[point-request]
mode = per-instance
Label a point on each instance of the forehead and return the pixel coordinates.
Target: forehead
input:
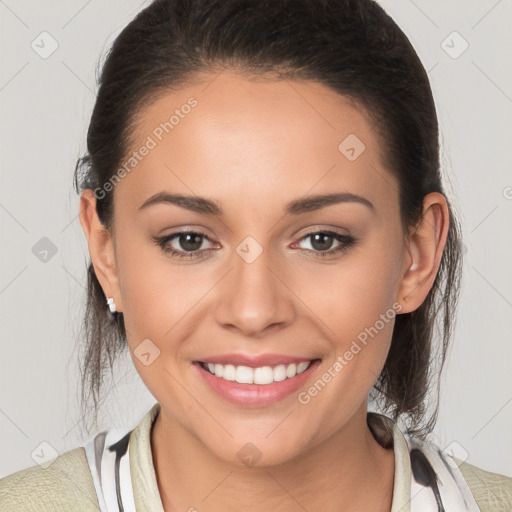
(229, 137)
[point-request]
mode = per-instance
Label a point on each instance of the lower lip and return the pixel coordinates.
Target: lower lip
(255, 394)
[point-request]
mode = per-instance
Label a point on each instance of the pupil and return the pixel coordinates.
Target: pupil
(192, 245)
(322, 245)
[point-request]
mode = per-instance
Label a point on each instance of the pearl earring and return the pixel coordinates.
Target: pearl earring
(111, 304)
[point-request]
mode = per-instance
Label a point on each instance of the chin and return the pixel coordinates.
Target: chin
(253, 450)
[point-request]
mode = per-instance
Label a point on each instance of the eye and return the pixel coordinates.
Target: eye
(189, 244)
(189, 241)
(321, 243)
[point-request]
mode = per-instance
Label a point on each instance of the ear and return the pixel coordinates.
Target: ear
(101, 247)
(425, 246)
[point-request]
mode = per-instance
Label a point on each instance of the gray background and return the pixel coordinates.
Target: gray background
(45, 108)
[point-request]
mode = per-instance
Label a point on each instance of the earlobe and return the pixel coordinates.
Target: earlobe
(425, 248)
(101, 247)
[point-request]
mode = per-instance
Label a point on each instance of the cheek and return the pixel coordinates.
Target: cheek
(356, 300)
(154, 300)
(360, 316)
(150, 288)
(352, 294)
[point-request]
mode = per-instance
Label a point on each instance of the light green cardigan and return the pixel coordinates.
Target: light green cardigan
(66, 484)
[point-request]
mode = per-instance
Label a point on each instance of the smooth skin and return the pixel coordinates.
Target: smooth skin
(252, 146)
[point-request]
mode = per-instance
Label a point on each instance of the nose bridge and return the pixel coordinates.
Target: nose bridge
(253, 298)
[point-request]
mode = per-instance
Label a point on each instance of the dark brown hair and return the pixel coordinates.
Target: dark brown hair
(351, 46)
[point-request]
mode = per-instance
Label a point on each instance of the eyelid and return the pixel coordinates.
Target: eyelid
(200, 230)
(323, 229)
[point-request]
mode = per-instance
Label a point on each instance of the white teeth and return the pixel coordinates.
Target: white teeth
(291, 371)
(280, 373)
(244, 375)
(302, 366)
(261, 375)
(218, 369)
(229, 372)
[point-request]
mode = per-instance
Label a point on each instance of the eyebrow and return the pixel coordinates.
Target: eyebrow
(296, 207)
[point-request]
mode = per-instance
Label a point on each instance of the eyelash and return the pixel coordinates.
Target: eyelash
(346, 241)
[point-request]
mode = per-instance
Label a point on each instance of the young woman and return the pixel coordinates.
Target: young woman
(270, 239)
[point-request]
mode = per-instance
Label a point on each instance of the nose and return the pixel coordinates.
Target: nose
(254, 299)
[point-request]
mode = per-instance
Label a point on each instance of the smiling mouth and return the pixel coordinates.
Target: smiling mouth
(262, 375)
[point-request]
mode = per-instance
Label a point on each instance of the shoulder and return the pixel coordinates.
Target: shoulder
(492, 491)
(65, 483)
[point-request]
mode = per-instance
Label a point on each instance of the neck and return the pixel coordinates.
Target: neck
(347, 471)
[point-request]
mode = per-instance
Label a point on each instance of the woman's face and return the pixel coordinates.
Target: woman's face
(269, 275)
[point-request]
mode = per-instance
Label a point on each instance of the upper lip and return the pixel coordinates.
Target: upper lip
(254, 360)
